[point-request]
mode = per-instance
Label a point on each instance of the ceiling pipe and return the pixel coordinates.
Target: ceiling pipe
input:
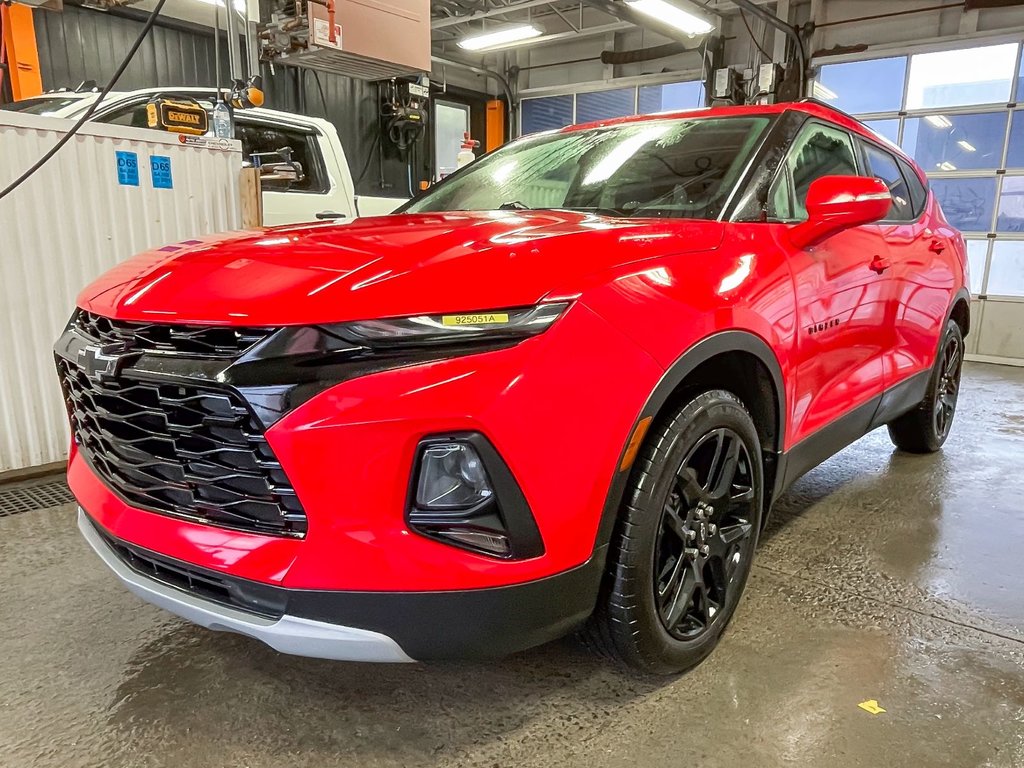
(646, 54)
(625, 13)
(783, 27)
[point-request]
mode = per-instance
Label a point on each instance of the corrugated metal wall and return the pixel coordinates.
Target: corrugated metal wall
(82, 44)
(64, 227)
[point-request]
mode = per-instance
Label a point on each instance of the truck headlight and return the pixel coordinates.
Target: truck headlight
(461, 327)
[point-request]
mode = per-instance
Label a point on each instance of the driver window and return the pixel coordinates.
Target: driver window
(819, 150)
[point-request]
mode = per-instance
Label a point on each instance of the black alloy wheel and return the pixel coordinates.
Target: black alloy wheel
(705, 534)
(948, 384)
(684, 541)
(925, 429)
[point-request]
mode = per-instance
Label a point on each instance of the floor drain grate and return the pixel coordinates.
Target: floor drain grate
(25, 498)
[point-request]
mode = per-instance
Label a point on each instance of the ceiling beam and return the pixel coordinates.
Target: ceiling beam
(453, 20)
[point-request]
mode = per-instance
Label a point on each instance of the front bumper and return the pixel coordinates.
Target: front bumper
(287, 634)
(366, 626)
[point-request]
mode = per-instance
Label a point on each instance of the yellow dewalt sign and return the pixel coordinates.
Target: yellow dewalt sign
(177, 117)
(486, 318)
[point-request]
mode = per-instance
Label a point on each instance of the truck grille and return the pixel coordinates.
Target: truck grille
(181, 449)
(199, 340)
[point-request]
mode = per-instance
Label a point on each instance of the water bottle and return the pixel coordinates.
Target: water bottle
(222, 121)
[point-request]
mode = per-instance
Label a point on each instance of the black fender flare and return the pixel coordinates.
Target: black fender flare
(965, 295)
(684, 365)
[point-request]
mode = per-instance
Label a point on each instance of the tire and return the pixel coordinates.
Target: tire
(925, 429)
(678, 535)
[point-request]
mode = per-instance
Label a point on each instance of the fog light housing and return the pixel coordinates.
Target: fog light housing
(463, 493)
(452, 476)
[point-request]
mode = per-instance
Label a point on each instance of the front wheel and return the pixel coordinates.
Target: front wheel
(684, 543)
(925, 429)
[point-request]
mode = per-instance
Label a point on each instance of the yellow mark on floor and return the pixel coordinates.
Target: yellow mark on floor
(871, 705)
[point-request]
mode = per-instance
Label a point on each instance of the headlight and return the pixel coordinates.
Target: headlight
(461, 327)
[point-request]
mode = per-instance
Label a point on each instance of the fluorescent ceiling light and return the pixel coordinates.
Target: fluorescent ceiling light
(239, 4)
(966, 146)
(673, 15)
(945, 165)
(939, 121)
(823, 92)
(488, 41)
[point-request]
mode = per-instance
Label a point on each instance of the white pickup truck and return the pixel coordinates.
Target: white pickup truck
(326, 189)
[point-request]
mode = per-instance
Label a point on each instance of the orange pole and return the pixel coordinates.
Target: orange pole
(495, 125)
(22, 55)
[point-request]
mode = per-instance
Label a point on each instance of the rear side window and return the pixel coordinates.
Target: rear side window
(883, 166)
(918, 193)
(272, 144)
(820, 150)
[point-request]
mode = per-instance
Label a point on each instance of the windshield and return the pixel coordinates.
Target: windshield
(41, 106)
(655, 168)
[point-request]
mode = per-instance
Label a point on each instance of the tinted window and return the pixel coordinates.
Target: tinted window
(657, 168)
(268, 142)
(883, 166)
(918, 193)
(818, 151)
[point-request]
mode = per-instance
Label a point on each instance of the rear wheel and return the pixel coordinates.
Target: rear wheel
(683, 545)
(925, 429)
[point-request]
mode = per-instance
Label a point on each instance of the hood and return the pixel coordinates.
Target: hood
(388, 266)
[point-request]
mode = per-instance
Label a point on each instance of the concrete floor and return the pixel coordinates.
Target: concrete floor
(882, 576)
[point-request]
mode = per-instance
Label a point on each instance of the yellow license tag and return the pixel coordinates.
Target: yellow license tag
(484, 318)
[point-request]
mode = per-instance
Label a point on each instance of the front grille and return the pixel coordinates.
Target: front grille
(199, 340)
(182, 449)
(250, 597)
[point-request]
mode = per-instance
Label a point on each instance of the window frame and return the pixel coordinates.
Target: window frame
(783, 167)
(916, 213)
(312, 136)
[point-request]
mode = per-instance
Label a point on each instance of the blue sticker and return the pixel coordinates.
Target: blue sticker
(161, 169)
(127, 168)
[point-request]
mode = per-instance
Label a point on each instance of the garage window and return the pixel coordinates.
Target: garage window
(960, 114)
(546, 113)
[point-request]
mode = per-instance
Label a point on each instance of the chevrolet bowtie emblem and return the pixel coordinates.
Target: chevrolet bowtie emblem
(105, 362)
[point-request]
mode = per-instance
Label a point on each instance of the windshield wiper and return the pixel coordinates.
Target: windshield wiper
(514, 205)
(598, 211)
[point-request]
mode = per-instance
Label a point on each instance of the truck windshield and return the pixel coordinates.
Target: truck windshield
(41, 106)
(682, 168)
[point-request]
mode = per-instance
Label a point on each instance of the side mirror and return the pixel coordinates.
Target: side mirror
(835, 203)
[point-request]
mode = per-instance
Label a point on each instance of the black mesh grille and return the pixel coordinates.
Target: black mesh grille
(253, 598)
(198, 340)
(181, 449)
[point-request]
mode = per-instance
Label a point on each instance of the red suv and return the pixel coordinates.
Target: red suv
(559, 390)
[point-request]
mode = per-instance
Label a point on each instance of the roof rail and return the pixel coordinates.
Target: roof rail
(830, 107)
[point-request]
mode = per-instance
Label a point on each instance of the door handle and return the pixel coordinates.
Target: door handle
(879, 265)
(330, 215)
(937, 246)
